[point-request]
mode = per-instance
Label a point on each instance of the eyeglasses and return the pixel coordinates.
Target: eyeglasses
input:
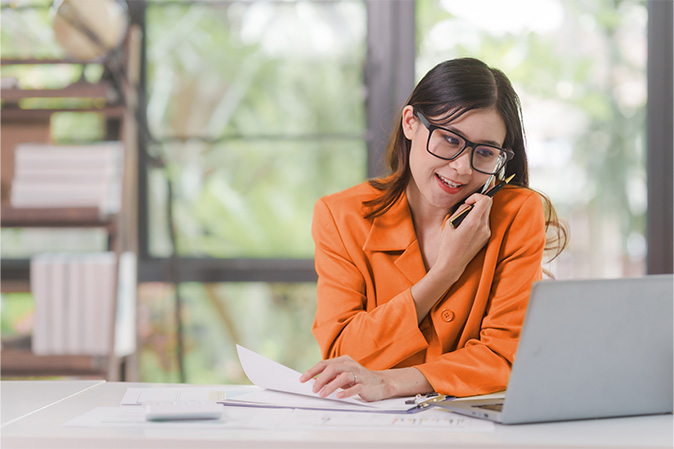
(448, 145)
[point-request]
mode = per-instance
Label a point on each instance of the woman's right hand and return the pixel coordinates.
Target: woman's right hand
(458, 246)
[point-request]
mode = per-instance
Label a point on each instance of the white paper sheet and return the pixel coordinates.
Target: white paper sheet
(137, 396)
(282, 387)
(271, 398)
(430, 419)
(266, 373)
(289, 419)
(234, 418)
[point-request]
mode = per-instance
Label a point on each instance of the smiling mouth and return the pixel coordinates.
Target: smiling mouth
(447, 182)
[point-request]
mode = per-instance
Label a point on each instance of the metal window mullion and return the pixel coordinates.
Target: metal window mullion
(389, 71)
(194, 269)
(659, 138)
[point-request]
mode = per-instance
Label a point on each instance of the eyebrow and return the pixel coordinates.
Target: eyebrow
(492, 143)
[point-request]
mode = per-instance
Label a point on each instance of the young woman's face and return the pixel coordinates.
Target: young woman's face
(438, 183)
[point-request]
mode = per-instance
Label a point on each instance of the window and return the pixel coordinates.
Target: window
(256, 109)
(585, 62)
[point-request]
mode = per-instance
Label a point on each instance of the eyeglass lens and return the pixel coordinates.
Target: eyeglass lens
(447, 145)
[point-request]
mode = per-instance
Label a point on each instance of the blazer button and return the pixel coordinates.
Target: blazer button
(447, 315)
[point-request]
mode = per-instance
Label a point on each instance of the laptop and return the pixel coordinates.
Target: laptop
(588, 349)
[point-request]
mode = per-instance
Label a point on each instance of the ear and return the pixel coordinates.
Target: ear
(409, 122)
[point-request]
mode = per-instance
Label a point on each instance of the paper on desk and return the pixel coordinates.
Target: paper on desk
(124, 416)
(435, 419)
(278, 380)
(266, 373)
(287, 419)
(271, 398)
(137, 396)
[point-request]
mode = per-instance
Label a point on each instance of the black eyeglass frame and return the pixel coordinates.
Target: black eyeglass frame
(431, 127)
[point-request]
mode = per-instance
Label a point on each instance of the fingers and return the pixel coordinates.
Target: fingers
(321, 366)
(353, 390)
(313, 371)
(328, 374)
(476, 198)
(332, 375)
(475, 209)
(482, 209)
(342, 380)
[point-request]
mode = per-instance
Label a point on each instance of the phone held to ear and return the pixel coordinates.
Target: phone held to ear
(456, 220)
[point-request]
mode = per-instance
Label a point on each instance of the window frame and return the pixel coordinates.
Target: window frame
(389, 78)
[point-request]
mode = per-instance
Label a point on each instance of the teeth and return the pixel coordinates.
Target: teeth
(448, 183)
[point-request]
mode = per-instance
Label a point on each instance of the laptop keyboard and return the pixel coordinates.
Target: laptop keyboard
(495, 407)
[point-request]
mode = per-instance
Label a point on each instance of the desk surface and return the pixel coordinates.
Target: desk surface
(21, 398)
(43, 428)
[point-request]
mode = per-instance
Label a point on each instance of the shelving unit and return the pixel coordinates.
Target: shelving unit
(32, 125)
(15, 276)
(55, 217)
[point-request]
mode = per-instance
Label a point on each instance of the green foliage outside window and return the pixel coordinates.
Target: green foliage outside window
(264, 121)
(580, 69)
(259, 110)
(273, 319)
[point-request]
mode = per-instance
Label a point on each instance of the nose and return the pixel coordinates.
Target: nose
(462, 163)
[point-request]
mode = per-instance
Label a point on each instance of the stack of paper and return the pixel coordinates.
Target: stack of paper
(281, 387)
(75, 306)
(68, 176)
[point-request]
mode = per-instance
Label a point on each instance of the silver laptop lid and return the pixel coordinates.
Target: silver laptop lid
(594, 348)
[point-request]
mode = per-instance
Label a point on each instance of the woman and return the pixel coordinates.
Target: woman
(408, 304)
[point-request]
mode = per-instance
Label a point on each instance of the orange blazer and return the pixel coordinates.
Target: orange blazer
(366, 268)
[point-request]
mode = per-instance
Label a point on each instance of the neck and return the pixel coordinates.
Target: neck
(424, 215)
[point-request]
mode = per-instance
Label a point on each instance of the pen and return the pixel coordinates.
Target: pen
(425, 400)
(456, 221)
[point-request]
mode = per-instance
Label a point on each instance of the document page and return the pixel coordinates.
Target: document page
(285, 419)
(278, 380)
(137, 396)
(266, 373)
(430, 419)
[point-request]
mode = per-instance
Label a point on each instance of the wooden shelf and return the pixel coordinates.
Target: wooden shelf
(83, 217)
(15, 286)
(32, 114)
(25, 363)
(39, 61)
(102, 89)
(111, 104)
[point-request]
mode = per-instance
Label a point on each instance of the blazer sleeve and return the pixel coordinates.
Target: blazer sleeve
(377, 338)
(483, 364)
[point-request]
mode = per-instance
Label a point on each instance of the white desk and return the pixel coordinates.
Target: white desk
(21, 398)
(43, 429)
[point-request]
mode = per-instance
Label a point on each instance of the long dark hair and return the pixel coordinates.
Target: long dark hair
(449, 90)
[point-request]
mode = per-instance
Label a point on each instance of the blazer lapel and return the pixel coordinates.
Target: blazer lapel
(393, 232)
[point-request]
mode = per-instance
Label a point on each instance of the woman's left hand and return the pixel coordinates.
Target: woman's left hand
(353, 379)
